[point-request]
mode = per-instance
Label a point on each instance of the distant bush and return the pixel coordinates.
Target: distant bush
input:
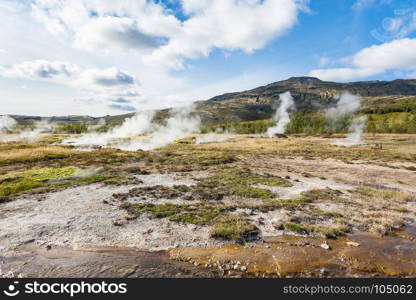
(73, 128)
(409, 107)
(258, 126)
(392, 123)
(309, 122)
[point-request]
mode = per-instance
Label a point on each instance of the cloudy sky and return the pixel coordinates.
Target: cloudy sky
(98, 57)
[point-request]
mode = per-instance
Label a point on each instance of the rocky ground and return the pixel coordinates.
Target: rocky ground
(242, 206)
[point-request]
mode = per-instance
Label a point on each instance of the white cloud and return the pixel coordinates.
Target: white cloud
(95, 51)
(40, 70)
(102, 24)
(246, 25)
(362, 4)
(109, 78)
(323, 61)
(342, 74)
(142, 25)
(69, 74)
(112, 33)
(374, 60)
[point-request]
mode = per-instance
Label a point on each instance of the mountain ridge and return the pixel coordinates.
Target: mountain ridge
(309, 93)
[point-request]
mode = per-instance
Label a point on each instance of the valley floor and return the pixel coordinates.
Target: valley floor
(210, 205)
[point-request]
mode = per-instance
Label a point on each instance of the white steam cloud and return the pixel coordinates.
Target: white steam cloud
(36, 133)
(136, 125)
(357, 127)
(6, 124)
(348, 104)
(179, 125)
(282, 115)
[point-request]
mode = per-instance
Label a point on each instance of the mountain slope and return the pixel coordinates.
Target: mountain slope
(309, 93)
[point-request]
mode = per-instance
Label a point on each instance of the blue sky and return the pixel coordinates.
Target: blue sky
(97, 57)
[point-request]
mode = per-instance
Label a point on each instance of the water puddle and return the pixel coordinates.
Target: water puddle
(34, 260)
(286, 256)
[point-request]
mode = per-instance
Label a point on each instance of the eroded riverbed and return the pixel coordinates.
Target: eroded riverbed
(363, 255)
(39, 260)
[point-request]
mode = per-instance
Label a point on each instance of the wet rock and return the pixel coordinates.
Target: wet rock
(130, 217)
(325, 246)
(278, 225)
(353, 244)
(280, 136)
(118, 222)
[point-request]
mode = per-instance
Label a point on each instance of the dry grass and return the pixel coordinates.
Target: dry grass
(238, 164)
(402, 148)
(30, 154)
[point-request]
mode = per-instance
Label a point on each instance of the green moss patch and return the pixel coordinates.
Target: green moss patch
(324, 231)
(17, 182)
(233, 227)
(156, 192)
(237, 181)
(188, 214)
(181, 160)
(45, 180)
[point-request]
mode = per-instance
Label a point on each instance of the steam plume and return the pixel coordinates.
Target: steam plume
(136, 125)
(179, 125)
(282, 115)
(348, 104)
(6, 124)
(357, 128)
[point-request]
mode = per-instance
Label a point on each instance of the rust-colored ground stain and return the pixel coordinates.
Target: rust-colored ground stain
(288, 256)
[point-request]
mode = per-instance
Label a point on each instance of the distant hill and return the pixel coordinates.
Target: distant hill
(309, 93)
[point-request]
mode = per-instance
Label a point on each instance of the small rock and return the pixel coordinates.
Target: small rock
(325, 246)
(353, 244)
(243, 268)
(278, 225)
(118, 222)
